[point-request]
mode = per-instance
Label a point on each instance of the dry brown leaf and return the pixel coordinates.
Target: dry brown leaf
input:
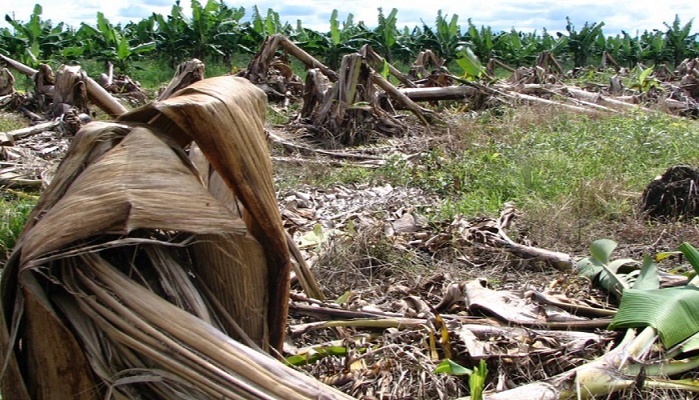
(130, 271)
(235, 145)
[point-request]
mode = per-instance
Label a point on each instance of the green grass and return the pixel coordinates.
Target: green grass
(556, 158)
(153, 72)
(11, 122)
(14, 213)
(591, 167)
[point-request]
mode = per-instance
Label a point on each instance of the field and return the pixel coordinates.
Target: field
(572, 177)
(503, 243)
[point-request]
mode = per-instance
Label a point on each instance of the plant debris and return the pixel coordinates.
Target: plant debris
(673, 195)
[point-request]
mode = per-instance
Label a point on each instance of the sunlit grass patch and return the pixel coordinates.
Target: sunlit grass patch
(538, 158)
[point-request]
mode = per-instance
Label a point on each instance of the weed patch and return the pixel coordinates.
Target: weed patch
(14, 214)
(536, 157)
(11, 122)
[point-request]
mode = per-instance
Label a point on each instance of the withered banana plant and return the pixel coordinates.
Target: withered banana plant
(155, 265)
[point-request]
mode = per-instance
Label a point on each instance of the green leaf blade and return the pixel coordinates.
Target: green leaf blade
(448, 366)
(648, 279)
(673, 312)
(602, 249)
(476, 381)
(692, 255)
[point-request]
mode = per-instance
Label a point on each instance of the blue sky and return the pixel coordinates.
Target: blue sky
(631, 16)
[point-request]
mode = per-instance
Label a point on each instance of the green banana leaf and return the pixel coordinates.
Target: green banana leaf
(673, 312)
(470, 63)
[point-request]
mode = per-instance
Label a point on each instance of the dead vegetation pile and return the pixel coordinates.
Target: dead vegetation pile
(403, 293)
(673, 195)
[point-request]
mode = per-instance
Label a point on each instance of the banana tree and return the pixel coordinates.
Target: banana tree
(30, 34)
(411, 42)
(554, 44)
(517, 48)
(342, 39)
(653, 47)
(630, 51)
(680, 41)
(142, 31)
(170, 36)
(36, 40)
(582, 44)
(107, 43)
(213, 29)
(263, 26)
(17, 48)
(480, 41)
(312, 41)
(5, 37)
(446, 38)
(385, 36)
(233, 37)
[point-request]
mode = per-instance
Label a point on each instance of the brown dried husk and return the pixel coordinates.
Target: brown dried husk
(132, 280)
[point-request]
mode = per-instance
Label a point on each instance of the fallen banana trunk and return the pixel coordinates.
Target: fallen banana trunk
(9, 138)
(134, 280)
(257, 70)
(96, 93)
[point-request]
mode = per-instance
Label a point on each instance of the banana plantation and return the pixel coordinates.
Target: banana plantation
(378, 212)
(216, 32)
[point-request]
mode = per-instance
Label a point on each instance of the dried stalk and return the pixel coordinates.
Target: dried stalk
(10, 137)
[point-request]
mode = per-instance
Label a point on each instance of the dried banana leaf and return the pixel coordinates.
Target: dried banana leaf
(225, 117)
(132, 280)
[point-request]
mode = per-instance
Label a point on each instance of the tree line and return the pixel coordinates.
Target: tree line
(215, 32)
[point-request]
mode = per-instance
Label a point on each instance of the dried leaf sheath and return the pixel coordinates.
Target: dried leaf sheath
(242, 291)
(127, 190)
(109, 284)
(225, 117)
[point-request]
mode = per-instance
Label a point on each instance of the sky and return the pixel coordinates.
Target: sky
(501, 15)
